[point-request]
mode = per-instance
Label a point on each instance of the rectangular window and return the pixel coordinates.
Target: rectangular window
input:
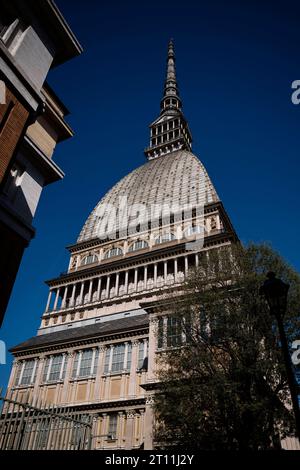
(27, 377)
(86, 362)
(55, 368)
(112, 426)
(129, 352)
(106, 361)
(118, 358)
(142, 353)
(174, 332)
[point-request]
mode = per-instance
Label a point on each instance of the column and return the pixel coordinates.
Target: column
(62, 366)
(104, 429)
(99, 288)
(135, 279)
(148, 423)
(197, 260)
(120, 428)
(63, 305)
(73, 296)
(38, 379)
(49, 300)
(175, 269)
(145, 276)
(49, 368)
(165, 271)
(11, 382)
(126, 282)
(107, 286)
(56, 299)
(155, 275)
(153, 323)
(186, 265)
(90, 291)
(99, 372)
(117, 284)
(21, 373)
(129, 429)
(64, 395)
(81, 294)
(133, 367)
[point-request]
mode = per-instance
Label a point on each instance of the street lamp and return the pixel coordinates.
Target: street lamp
(276, 292)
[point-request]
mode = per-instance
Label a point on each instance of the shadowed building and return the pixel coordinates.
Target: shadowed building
(96, 347)
(34, 38)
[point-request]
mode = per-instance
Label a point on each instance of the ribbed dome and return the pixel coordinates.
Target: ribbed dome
(176, 179)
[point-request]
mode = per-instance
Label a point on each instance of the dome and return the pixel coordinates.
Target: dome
(177, 179)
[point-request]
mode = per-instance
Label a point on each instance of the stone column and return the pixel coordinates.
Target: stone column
(155, 275)
(99, 288)
(81, 294)
(129, 429)
(165, 272)
(120, 427)
(133, 367)
(104, 429)
(175, 269)
(66, 385)
(135, 279)
(90, 291)
(148, 423)
(56, 299)
(49, 300)
(152, 347)
(63, 305)
(99, 372)
(126, 282)
(197, 260)
(38, 379)
(107, 286)
(73, 296)
(117, 284)
(145, 276)
(11, 382)
(186, 265)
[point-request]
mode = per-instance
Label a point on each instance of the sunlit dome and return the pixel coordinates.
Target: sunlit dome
(177, 179)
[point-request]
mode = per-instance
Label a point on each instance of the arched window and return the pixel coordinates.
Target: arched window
(194, 230)
(138, 245)
(113, 252)
(89, 259)
(166, 237)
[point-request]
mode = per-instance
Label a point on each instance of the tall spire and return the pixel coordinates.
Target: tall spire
(171, 88)
(170, 131)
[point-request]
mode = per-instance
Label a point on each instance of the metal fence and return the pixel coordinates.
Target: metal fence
(33, 425)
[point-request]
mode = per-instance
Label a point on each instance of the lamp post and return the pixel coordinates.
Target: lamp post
(275, 292)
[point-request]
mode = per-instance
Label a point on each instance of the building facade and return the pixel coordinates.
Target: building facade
(96, 348)
(34, 38)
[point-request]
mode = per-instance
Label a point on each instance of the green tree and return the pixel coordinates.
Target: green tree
(225, 387)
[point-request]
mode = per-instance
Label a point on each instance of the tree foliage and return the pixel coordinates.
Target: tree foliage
(226, 386)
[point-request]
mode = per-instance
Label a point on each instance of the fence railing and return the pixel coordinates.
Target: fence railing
(32, 425)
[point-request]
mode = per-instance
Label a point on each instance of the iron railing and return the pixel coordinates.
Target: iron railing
(32, 425)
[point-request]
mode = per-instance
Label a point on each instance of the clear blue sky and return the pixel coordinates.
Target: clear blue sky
(235, 64)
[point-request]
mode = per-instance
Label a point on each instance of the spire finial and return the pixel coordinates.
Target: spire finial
(171, 88)
(170, 131)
